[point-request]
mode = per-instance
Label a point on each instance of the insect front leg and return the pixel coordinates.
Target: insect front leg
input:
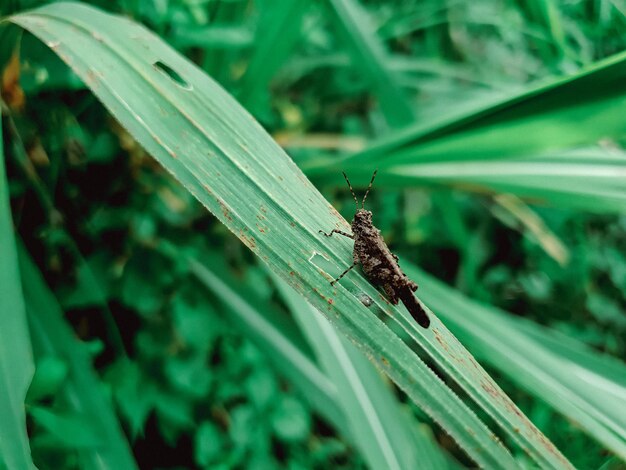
(337, 231)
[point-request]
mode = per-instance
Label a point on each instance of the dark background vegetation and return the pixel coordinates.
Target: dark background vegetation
(197, 392)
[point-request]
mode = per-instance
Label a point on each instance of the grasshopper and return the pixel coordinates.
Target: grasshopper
(379, 264)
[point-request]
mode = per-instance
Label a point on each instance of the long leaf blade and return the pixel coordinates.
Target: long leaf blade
(370, 56)
(582, 386)
(84, 392)
(226, 160)
(16, 361)
(367, 424)
(541, 144)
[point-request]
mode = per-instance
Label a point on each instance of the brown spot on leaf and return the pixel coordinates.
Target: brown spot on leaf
(225, 210)
(490, 389)
(335, 212)
(247, 240)
(440, 340)
(93, 79)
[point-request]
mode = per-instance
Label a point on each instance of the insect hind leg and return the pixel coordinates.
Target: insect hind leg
(344, 273)
(391, 293)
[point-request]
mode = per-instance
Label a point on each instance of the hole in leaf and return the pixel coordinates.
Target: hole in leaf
(172, 74)
(323, 263)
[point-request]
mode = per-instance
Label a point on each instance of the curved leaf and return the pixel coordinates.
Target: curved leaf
(586, 387)
(541, 144)
(382, 445)
(16, 358)
(84, 390)
(228, 162)
(339, 407)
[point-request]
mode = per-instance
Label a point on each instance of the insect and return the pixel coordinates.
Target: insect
(379, 264)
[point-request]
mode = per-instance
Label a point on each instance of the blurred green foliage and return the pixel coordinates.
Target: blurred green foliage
(91, 207)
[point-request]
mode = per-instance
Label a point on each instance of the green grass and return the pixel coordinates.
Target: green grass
(16, 357)
(266, 366)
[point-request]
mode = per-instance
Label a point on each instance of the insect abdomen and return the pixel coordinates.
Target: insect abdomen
(413, 306)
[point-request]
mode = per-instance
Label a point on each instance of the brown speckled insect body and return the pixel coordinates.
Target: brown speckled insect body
(379, 264)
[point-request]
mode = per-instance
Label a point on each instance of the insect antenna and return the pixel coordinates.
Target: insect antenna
(368, 188)
(356, 202)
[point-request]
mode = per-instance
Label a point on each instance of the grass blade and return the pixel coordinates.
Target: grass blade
(540, 144)
(84, 392)
(269, 332)
(537, 120)
(16, 358)
(278, 32)
(378, 440)
(230, 164)
(368, 53)
(583, 386)
(289, 359)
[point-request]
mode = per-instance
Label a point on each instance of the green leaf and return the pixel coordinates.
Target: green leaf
(91, 284)
(50, 373)
(279, 29)
(242, 425)
(269, 332)
(134, 394)
(586, 387)
(370, 57)
(379, 428)
(228, 162)
(192, 322)
(143, 282)
(261, 387)
(16, 357)
(208, 444)
(72, 430)
(189, 374)
(541, 144)
(175, 415)
(83, 391)
(290, 420)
